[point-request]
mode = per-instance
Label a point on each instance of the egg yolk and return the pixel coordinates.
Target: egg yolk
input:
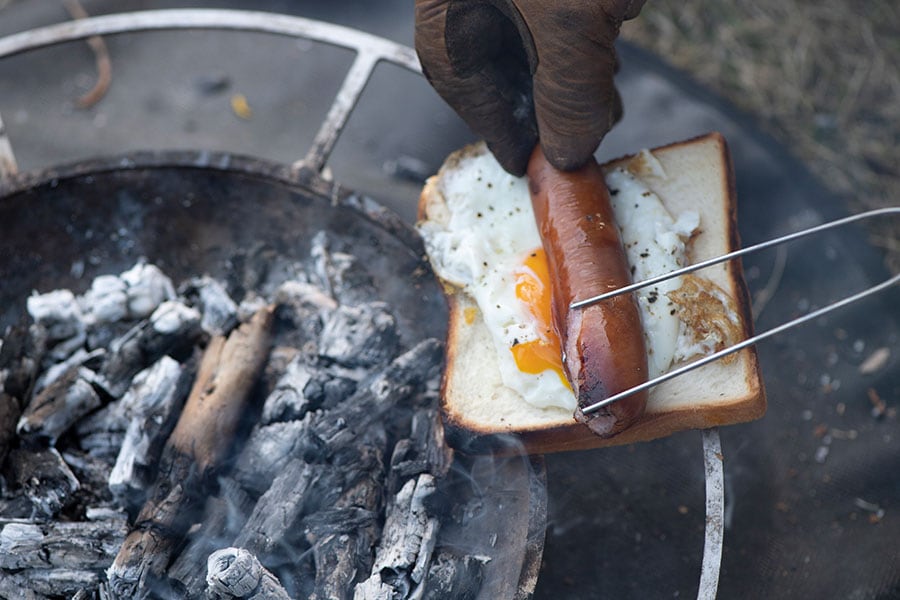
(533, 289)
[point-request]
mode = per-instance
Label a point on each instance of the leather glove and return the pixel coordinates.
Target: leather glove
(523, 71)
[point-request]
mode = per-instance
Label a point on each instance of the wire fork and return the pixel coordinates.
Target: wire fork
(892, 210)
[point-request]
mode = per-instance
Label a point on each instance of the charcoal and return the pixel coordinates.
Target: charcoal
(19, 362)
(154, 401)
(362, 466)
(339, 273)
(304, 307)
(453, 576)
(33, 584)
(224, 515)
(237, 573)
(424, 451)
(103, 432)
(10, 411)
(61, 545)
(389, 388)
(341, 548)
(270, 448)
(113, 303)
(261, 270)
(59, 406)
(107, 300)
(408, 538)
(92, 473)
(101, 335)
(58, 316)
(280, 356)
(360, 336)
(18, 368)
(16, 507)
(303, 388)
(321, 495)
(172, 327)
(218, 309)
(133, 294)
(289, 400)
(45, 478)
(277, 511)
(80, 358)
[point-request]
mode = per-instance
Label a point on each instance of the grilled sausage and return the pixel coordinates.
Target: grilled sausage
(602, 344)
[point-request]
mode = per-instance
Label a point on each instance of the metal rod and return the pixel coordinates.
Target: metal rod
(8, 165)
(732, 255)
(715, 515)
(339, 113)
(743, 344)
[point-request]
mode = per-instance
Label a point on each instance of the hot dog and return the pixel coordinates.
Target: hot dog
(603, 345)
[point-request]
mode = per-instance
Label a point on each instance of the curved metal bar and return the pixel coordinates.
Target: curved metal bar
(262, 22)
(8, 165)
(715, 515)
(370, 49)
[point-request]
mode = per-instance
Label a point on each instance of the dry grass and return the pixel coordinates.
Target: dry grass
(822, 76)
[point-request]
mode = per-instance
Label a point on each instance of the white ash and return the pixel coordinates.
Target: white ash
(107, 300)
(146, 287)
(220, 312)
(150, 403)
(58, 313)
(171, 315)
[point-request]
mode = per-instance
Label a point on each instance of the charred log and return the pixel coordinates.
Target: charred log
(194, 450)
(61, 545)
(154, 400)
(45, 478)
(57, 407)
(237, 573)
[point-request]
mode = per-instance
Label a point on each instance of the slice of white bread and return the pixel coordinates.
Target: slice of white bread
(482, 415)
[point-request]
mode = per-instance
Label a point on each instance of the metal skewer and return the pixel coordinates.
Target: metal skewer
(758, 337)
(732, 255)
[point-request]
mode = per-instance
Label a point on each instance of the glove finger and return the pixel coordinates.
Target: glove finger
(475, 72)
(576, 102)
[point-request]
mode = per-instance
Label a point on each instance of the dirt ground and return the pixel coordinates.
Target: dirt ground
(821, 76)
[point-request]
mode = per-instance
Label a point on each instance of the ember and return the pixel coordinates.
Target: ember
(168, 441)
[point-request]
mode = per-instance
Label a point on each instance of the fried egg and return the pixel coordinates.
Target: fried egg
(485, 240)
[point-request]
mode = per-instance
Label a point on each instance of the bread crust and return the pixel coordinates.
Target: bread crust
(480, 417)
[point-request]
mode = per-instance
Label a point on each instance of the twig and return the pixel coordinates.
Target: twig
(101, 57)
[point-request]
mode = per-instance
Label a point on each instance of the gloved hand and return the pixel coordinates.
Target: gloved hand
(523, 71)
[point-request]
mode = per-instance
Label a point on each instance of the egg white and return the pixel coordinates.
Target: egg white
(488, 231)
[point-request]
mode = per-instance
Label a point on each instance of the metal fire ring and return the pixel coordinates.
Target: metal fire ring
(370, 50)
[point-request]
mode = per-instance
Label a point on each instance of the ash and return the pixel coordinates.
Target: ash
(326, 487)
